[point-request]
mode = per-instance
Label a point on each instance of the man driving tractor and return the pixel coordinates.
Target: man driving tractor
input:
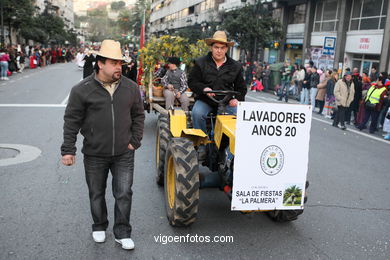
(215, 71)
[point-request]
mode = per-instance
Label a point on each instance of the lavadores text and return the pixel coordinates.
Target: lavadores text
(274, 117)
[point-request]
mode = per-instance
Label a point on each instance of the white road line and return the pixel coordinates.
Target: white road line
(65, 100)
(330, 123)
(32, 105)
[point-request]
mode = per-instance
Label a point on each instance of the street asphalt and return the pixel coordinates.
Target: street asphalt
(44, 206)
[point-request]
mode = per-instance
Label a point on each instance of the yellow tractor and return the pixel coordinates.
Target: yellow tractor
(177, 161)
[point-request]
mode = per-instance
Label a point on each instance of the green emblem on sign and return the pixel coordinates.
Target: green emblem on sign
(272, 161)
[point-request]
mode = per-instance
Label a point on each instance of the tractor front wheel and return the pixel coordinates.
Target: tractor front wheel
(162, 139)
(181, 181)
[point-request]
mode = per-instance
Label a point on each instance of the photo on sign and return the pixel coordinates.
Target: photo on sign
(292, 195)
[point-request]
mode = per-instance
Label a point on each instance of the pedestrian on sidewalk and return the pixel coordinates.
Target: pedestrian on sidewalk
(108, 111)
(89, 60)
(365, 87)
(386, 125)
(344, 92)
(320, 98)
(314, 81)
(330, 99)
(373, 104)
(4, 59)
(20, 60)
(286, 73)
(266, 77)
(80, 59)
(306, 87)
(354, 107)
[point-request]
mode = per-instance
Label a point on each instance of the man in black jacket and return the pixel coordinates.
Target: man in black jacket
(215, 71)
(107, 110)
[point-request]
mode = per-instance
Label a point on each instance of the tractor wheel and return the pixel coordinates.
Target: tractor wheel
(181, 182)
(287, 215)
(284, 215)
(162, 139)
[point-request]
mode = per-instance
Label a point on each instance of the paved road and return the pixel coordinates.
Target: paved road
(44, 209)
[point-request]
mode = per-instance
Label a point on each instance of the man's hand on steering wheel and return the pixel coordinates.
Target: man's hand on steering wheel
(209, 94)
(233, 102)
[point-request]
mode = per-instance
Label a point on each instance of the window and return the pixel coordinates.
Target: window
(368, 15)
(297, 14)
(191, 9)
(326, 16)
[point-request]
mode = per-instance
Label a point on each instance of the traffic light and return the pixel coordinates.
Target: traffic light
(276, 44)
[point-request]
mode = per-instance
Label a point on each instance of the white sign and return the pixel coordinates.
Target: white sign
(271, 156)
(364, 43)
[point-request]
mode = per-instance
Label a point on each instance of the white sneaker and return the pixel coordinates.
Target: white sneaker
(127, 243)
(6, 78)
(99, 236)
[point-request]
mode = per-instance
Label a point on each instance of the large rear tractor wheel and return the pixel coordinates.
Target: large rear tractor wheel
(162, 139)
(181, 182)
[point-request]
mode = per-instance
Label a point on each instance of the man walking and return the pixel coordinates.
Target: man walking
(107, 110)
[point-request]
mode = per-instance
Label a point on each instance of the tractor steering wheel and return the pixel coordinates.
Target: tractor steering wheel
(227, 96)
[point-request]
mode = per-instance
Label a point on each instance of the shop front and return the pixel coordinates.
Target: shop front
(363, 50)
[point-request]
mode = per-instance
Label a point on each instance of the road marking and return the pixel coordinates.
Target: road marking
(330, 123)
(27, 153)
(32, 105)
(65, 100)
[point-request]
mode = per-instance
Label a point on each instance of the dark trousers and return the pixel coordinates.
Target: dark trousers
(374, 120)
(348, 114)
(321, 104)
(96, 173)
(340, 116)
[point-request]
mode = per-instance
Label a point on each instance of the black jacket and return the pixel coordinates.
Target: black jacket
(88, 65)
(205, 74)
(314, 80)
(107, 123)
(307, 79)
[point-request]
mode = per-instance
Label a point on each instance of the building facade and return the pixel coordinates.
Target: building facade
(169, 15)
(331, 33)
(360, 30)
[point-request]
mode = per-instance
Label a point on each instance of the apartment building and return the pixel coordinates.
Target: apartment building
(331, 33)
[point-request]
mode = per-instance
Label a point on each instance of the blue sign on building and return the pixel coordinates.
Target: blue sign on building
(329, 45)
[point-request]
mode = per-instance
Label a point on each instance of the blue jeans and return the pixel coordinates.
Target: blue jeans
(4, 68)
(284, 90)
(305, 96)
(96, 173)
(313, 94)
(200, 112)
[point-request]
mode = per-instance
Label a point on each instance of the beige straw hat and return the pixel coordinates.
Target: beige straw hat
(110, 49)
(220, 37)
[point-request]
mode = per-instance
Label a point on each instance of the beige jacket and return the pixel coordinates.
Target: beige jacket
(343, 98)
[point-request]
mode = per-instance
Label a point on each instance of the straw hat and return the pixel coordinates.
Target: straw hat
(220, 37)
(110, 49)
